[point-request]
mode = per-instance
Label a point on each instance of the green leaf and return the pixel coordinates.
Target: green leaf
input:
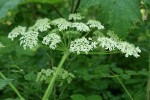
(94, 97)
(30, 77)
(119, 14)
(117, 70)
(42, 1)
(5, 5)
(147, 2)
(125, 76)
(77, 97)
(4, 82)
(12, 99)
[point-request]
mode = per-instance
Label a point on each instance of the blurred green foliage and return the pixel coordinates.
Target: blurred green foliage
(94, 73)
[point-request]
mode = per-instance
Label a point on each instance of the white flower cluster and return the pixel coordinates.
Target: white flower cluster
(51, 39)
(46, 75)
(1, 45)
(61, 23)
(128, 49)
(41, 25)
(29, 39)
(16, 32)
(82, 45)
(95, 23)
(124, 47)
(80, 26)
(75, 17)
(107, 43)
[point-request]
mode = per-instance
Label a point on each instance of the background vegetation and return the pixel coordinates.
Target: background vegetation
(98, 77)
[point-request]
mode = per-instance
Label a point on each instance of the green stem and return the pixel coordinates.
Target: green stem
(52, 81)
(13, 87)
(148, 82)
(123, 86)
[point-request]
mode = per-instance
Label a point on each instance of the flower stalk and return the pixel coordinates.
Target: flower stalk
(13, 87)
(52, 81)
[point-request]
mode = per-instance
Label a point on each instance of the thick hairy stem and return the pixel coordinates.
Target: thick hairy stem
(13, 87)
(148, 82)
(52, 81)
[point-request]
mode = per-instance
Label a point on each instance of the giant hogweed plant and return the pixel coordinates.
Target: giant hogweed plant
(69, 36)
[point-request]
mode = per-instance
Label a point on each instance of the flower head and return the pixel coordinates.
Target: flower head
(61, 23)
(128, 49)
(107, 43)
(82, 45)
(41, 25)
(95, 23)
(81, 26)
(51, 39)
(75, 17)
(16, 32)
(29, 39)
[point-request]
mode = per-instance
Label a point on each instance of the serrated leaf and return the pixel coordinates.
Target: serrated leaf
(119, 14)
(5, 5)
(4, 82)
(94, 97)
(77, 97)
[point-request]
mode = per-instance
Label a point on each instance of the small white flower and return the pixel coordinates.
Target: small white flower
(51, 39)
(128, 49)
(82, 45)
(1, 45)
(95, 23)
(81, 26)
(29, 39)
(16, 32)
(41, 25)
(61, 23)
(75, 17)
(107, 43)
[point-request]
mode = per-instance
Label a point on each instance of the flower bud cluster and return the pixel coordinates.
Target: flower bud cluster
(46, 74)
